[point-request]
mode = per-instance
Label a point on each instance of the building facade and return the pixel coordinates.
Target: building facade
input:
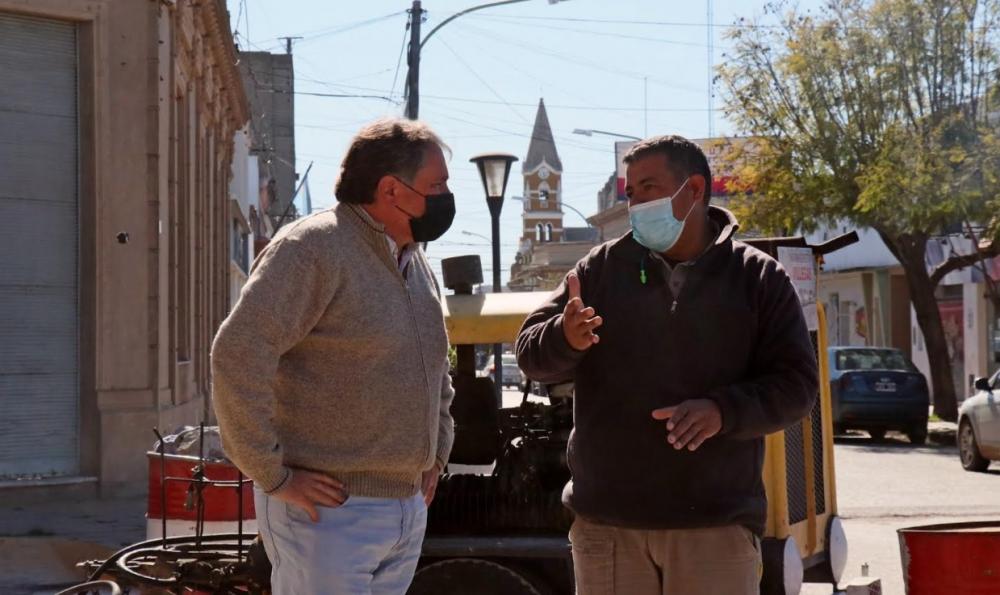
(117, 120)
(269, 83)
(245, 223)
(867, 300)
(546, 250)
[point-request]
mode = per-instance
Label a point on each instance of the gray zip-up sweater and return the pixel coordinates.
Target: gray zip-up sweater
(335, 361)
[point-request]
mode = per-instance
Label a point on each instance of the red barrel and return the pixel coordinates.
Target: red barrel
(221, 503)
(951, 559)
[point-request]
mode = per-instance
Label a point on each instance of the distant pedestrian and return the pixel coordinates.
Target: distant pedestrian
(686, 348)
(330, 377)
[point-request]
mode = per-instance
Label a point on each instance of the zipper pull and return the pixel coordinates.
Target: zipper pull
(673, 307)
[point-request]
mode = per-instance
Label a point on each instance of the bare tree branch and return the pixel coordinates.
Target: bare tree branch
(956, 263)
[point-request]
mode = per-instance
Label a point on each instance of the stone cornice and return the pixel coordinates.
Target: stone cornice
(222, 48)
(612, 213)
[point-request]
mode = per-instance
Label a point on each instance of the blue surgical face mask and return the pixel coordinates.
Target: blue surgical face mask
(654, 225)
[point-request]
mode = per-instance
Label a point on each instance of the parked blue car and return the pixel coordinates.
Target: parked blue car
(878, 389)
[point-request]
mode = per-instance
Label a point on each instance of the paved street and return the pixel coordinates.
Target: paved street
(885, 487)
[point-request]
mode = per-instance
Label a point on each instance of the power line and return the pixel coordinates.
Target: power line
(507, 103)
(246, 19)
(629, 22)
(301, 78)
(547, 83)
(529, 136)
(399, 60)
(742, 23)
(340, 95)
(483, 81)
(328, 31)
(523, 45)
(239, 15)
(616, 35)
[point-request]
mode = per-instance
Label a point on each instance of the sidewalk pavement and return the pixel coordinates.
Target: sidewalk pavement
(942, 432)
(41, 542)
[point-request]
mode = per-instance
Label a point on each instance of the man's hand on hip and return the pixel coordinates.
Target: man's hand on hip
(690, 423)
(579, 321)
(307, 489)
(430, 483)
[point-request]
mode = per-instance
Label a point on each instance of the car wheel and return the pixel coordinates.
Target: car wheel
(877, 435)
(917, 435)
(968, 450)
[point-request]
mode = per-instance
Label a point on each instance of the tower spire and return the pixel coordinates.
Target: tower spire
(543, 145)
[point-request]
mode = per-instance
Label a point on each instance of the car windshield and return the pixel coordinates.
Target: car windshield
(873, 359)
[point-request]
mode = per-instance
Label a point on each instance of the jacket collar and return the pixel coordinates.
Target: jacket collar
(373, 231)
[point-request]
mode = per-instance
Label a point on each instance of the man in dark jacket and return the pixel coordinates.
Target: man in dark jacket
(687, 347)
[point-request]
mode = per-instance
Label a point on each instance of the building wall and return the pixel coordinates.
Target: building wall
(976, 334)
(612, 222)
(537, 211)
(244, 195)
(549, 264)
(160, 100)
(269, 83)
(842, 295)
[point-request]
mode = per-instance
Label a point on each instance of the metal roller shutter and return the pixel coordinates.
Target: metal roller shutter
(39, 246)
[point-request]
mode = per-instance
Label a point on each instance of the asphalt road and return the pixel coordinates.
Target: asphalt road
(885, 487)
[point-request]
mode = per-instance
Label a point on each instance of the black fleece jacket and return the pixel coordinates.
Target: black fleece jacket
(734, 334)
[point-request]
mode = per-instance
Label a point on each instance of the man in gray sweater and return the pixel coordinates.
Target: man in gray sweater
(330, 376)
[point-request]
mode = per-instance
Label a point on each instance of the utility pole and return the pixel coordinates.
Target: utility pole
(413, 56)
(711, 75)
(288, 43)
(413, 61)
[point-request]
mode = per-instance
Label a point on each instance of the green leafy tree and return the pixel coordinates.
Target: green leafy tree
(882, 113)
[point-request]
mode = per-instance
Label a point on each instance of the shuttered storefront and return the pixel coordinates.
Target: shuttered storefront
(39, 248)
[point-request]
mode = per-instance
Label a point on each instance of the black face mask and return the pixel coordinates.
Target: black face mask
(437, 217)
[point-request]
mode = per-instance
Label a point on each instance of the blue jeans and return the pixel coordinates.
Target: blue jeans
(366, 546)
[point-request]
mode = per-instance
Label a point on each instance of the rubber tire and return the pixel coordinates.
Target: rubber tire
(877, 435)
(917, 435)
(772, 556)
(460, 576)
(971, 461)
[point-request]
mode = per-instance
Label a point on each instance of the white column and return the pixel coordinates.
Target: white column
(975, 319)
(919, 350)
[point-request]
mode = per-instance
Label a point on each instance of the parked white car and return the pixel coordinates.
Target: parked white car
(979, 425)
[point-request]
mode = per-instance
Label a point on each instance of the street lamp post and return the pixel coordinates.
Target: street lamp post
(494, 169)
(562, 204)
(416, 44)
(474, 234)
(592, 132)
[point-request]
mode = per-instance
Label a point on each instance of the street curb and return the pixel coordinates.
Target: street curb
(942, 432)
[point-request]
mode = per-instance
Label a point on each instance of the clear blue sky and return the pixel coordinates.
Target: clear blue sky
(481, 78)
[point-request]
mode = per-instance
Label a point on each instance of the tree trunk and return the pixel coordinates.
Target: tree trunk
(925, 304)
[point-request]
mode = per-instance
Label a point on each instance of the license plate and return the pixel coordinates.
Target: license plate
(885, 386)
